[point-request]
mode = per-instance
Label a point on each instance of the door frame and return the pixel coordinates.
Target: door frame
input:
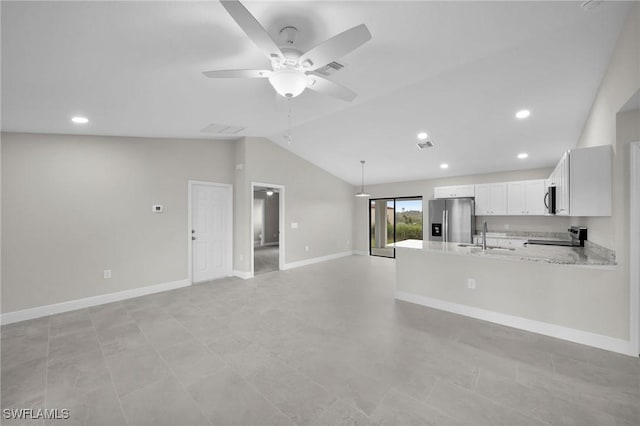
(394, 199)
(634, 248)
(229, 187)
(281, 224)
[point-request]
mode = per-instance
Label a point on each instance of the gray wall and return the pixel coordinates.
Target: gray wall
(319, 202)
(73, 206)
(425, 188)
(605, 126)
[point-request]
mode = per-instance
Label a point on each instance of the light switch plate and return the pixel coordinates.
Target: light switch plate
(294, 225)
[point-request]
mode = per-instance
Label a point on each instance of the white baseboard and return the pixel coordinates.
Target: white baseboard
(313, 260)
(243, 275)
(547, 329)
(361, 253)
(72, 305)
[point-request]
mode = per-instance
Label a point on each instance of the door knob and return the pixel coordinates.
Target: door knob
(193, 238)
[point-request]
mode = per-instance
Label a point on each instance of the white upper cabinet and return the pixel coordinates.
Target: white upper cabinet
(583, 181)
(560, 179)
(526, 197)
(590, 181)
(458, 191)
(491, 199)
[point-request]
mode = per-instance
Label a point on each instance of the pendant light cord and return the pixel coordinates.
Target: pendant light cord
(362, 186)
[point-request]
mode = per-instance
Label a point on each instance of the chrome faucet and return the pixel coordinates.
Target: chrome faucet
(484, 236)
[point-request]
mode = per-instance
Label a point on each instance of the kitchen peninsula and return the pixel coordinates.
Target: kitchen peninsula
(556, 291)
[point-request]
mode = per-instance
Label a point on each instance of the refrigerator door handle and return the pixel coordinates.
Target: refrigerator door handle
(446, 226)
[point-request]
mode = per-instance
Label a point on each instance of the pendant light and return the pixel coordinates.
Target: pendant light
(362, 193)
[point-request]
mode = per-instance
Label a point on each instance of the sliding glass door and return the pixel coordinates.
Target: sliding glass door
(392, 220)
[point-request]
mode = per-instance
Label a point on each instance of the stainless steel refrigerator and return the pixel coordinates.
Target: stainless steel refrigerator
(452, 220)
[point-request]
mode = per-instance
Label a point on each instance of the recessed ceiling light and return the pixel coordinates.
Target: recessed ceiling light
(423, 136)
(523, 155)
(80, 120)
(523, 114)
(444, 166)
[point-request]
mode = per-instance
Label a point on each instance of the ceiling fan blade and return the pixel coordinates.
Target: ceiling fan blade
(252, 28)
(238, 73)
(335, 47)
(331, 88)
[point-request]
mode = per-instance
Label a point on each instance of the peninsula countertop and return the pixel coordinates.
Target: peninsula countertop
(530, 253)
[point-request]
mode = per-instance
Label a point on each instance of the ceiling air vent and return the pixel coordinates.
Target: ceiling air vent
(222, 129)
(330, 68)
(425, 144)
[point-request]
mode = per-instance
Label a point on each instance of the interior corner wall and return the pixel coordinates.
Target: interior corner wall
(605, 126)
(424, 188)
(620, 82)
(73, 206)
(320, 203)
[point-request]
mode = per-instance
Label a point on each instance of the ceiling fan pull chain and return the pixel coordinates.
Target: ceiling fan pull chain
(289, 119)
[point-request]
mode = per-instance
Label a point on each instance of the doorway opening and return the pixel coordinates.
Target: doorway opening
(267, 224)
(210, 230)
(393, 220)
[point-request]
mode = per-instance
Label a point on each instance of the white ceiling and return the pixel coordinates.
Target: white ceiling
(458, 70)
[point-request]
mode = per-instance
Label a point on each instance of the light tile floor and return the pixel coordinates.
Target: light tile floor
(324, 344)
(266, 259)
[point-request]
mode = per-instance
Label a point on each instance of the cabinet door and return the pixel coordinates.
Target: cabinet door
(498, 195)
(534, 191)
(516, 198)
(483, 200)
(562, 188)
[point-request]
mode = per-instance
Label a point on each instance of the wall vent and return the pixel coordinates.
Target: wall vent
(330, 68)
(222, 129)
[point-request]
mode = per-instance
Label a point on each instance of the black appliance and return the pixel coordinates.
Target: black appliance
(578, 236)
(550, 200)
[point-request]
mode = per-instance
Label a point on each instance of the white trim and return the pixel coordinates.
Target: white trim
(634, 247)
(311, 261)
(72, 305)
(229, 186)
(242, 274)
(281, 225)
(361, 253)
(553, 330)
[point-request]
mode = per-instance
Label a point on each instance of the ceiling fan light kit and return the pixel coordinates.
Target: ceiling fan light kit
(293, 71)
(288, 82)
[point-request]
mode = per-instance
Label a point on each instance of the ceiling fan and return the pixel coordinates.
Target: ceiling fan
(292, 70)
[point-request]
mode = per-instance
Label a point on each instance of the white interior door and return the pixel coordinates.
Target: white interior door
(211, 236)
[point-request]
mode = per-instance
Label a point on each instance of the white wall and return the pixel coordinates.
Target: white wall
(425, 188)
(605, 126)
(73, 206)
(319, 202)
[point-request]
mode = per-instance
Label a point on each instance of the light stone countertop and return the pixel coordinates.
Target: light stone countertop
(578, 256)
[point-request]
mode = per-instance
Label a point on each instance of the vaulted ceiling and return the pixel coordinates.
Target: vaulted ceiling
(457, 70)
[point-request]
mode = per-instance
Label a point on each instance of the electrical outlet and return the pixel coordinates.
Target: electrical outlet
(306, 248)
(107, 274)
(471, 283)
